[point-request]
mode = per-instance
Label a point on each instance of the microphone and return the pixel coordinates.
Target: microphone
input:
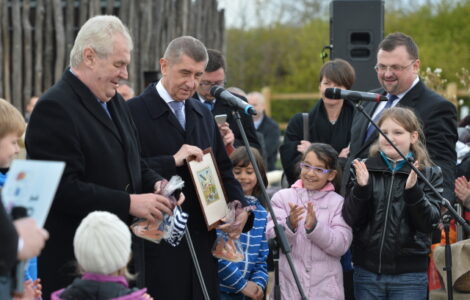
(355, 96)
(232, 100)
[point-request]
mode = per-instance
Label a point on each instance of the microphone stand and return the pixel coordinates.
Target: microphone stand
(279, 230)
(444, 202)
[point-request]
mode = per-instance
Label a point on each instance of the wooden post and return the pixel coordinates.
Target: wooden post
(266, 91)
(6, 50)
(38, 44)
(59, 39)
(27, 55)
(16, 56)
(451, 93)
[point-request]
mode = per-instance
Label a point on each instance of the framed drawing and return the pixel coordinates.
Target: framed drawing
(208, 184)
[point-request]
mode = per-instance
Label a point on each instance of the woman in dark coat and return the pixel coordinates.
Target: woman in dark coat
(329, 120)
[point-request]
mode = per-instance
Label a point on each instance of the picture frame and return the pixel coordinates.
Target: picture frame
(210, 191)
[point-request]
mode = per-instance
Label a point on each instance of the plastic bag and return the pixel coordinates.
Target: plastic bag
(225, 247)
(157, 230)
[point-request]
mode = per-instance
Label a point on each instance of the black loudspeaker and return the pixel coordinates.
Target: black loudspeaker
(356, 29)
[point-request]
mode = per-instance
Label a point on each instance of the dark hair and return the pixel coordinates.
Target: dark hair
(240, 158)
(339, 71)
(186, 45)
(216, 60)
(329, 156)
(396, 39)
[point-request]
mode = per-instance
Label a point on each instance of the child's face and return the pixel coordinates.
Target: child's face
(402, 139)
(247, 178)
(314, 173)
(9, 148)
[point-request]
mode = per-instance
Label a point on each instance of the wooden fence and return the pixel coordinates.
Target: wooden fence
(36, 37)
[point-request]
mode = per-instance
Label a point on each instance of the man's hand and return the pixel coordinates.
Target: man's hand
(185, 152)
(34, 238)
(226, 133)
(235, 229)
(150, 206)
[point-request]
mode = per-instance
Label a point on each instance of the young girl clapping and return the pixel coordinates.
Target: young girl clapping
(311, 213)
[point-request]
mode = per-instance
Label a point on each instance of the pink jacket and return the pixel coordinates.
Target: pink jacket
(316, 255)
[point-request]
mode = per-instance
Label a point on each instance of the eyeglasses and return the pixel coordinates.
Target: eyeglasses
(316, 170)
(393, 68)
(208, 84)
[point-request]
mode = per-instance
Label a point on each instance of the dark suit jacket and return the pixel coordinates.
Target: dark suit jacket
(169, 271)
(271, 133)
(103, 167)
(221, 107)
(439, 119)
(9, 238)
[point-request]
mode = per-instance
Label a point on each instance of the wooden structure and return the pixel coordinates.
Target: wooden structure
(36, 37)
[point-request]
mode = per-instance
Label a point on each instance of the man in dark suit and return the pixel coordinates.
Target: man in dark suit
(397, 70)
(83, 121)
(267, 127)
(214, 74)
(173, 128)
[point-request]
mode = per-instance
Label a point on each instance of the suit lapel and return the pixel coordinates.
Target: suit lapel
(158, 108)
(90, 102)
(193, 112)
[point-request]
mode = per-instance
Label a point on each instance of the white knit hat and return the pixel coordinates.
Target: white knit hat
(102, 243)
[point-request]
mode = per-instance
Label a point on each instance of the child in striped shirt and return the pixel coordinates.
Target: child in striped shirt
(247, 279)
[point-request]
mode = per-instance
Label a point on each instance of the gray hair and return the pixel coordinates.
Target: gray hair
(98, 33)
(186, 45)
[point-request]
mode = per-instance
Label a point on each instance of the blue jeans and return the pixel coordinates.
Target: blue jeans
(368, 285)
(225, 296)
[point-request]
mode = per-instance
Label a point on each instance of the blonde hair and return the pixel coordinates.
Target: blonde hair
(11, 120)
(406, 118)
(98, 33)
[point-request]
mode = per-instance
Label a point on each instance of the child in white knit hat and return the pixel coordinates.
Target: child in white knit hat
(102, 246)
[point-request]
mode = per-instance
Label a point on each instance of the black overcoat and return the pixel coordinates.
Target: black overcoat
(169, 271)
(103, 167)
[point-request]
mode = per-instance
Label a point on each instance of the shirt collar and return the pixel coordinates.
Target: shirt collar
(164, 94)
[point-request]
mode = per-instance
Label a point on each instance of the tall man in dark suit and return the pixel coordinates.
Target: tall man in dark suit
(173, 127)
(397, 70)
(82, 121)
(267, 127)
(214, 74)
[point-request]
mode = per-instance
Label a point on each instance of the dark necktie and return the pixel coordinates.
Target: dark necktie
(178, 108)
(209, 104)
(389, 103)
(105, 107)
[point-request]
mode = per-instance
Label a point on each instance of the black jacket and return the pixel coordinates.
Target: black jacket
(392, 226)
(103, 166)
(439, 120)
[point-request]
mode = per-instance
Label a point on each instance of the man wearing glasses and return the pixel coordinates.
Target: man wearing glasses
(214, 74)
(397, 71)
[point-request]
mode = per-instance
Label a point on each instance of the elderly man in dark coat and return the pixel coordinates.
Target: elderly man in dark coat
(82, 121)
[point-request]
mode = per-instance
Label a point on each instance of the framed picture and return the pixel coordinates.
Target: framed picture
(211, 193)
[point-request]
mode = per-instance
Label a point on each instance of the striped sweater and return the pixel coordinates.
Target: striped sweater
(233, 277)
